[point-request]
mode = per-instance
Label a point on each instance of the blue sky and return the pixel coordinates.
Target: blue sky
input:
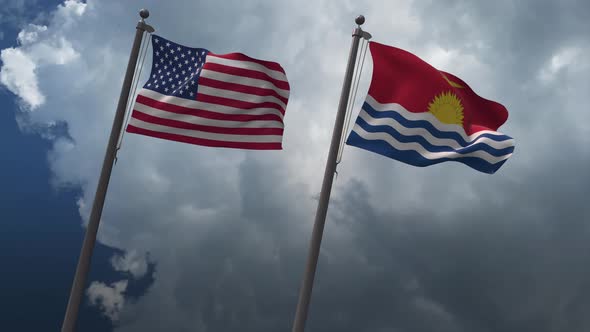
(41, 236)
(201, 239)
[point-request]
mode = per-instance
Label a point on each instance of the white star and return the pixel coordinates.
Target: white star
(165, 67)
(162, 60)
(179, 65)
(178, 48)
(192, 58)
(156, 65)
(159, 71)
(186, 62)
(167, 73)
(149, 84)
(170, 79)
(176, 75)
(156, 40)
(175, 58)
(161, 76)
(157, 86)
(167, 44)
(192, 82)
(161, 48)
(173, 87)
(171, 51)
(170, 62)
(179, 82)
(192, 94)
(154, 76)
(182, 55)
(166, 55)
(157, 53)
(174, 70)
(156, 81)
(183, 72)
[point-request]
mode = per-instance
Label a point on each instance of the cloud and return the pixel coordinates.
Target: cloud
(18, 75)
(38, 48)
(109, 299)
(405, 249)
(131, 262)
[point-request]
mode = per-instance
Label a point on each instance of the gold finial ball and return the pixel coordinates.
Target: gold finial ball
(360, 20)
(144, 13)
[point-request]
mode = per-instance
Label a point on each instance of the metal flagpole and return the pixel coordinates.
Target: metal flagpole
(320, 218)
(83, 267)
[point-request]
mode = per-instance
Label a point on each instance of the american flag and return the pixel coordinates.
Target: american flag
(219, 100)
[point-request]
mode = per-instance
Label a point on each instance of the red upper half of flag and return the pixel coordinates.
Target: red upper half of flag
(403, 78)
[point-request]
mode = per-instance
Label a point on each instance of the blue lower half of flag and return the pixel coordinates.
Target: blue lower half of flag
(419, 139)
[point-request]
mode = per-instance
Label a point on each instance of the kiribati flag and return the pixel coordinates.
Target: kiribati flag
(421, 116)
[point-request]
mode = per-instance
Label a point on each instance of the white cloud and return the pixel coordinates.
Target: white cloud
(39, 48)
(30, 34)
(18, 75)
(131, 262)
(109, 299)
(560, 60)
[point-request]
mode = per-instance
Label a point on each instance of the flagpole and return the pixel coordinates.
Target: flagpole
(77, 291)
(320, 218)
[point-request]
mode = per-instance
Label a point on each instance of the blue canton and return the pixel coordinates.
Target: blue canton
(175, 68)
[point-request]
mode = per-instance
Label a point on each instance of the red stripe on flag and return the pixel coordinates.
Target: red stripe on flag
(243, 57)
(246, 73)
(241, 88)
(205, 142)
(210, 129)
(206, 113)
(237, 103)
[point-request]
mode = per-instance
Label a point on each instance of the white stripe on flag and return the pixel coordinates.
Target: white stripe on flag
(405, 131)
(425, 116)
(206, 135)
(187, 118)
(422, 151)
(277, 75)
(207, 90)
(199, 105)
(253, 82)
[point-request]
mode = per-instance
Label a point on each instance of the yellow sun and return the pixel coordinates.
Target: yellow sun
(447, 108)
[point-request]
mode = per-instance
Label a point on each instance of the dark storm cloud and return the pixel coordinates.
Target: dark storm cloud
(510, 258)
(518, 35)
(509, 263)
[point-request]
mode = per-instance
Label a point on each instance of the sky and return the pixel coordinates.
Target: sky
(201, 239)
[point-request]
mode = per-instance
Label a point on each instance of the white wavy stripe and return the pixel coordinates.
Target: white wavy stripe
(277, 75)
(193, 104)
(205, 121)
(405, 131)
(425, 116)
(422, 151)
(254, 82)
(207, 90)
(205, 135)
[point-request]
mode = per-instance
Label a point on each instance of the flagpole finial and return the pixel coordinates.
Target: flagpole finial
(144, 13)
(360, 20)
